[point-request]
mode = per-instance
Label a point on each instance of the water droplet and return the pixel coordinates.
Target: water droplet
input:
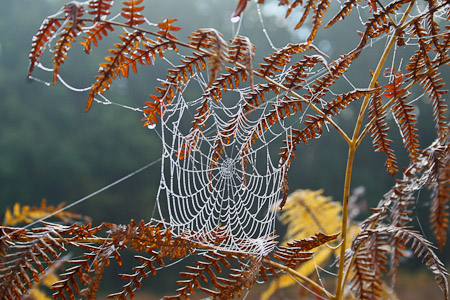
(235, 19)
(151, 126)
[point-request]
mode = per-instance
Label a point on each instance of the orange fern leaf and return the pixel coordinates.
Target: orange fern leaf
(378, 131)
(47, 30)
(406, 120)
(275, 62)
(175, 78)
(317, 19)
(166, 27)
(393, 88)
(132, 12)
(439, 216)
(345, 10)
(114, 65)
(96, 34)
(432, 83)
(100, 8)
(244, 51)
(63, 46)
(240, 8)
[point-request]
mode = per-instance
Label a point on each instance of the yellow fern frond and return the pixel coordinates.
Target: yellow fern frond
(28, 214)
(306, 213)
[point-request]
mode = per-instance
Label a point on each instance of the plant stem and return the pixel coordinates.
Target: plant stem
(300, 276)
(352, 147)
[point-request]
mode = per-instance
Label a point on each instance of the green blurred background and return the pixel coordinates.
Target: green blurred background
(50, 148)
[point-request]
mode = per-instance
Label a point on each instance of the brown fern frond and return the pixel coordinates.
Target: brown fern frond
(298, 251)
(432, 83)
(204, 271)
(152, 239)
(115, 65)
(310, 5)
(275, 62)
(379, 23)
(225, 82)
(25, 261)
(74, 11)
(63, 46)
(242, 50)
(27, 214)
(248, 270)
(132, 12)
(220, 54)
(423, 40)
(166, 26)
(440, 186)
(316, 19)
(393, 88)
(423, 249)
(406, 120)
(370, 263)
(314, 123)
(242, 4)
(96, 34)
(295, 77)
(345, 11)
(175, 77)
(322, 84)
(433, 28)
(378, 131)
(100, 8)
(47, 30)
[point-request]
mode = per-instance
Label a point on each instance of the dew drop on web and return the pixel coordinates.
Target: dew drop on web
(235, 19)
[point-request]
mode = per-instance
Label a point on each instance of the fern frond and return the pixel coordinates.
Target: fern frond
(335, 70)
(25, 261)
(115, 65)
(175, 78)
(379, 24)
(313, 127)
(242, 50)
(27, 214)
(63, 46)
(369, 265)
(152, 239)
(378, 131)
(298, 251)
(432, 83)
(241, 270)
(100, 8)
(440, 186)
(317, 19)
(302, 215)
(345, 11)
(275, 62)
(45, 33)
(132, 12)
(406, 120)
(166, 26)
(96, 34)
(295, 77)
(423, 249)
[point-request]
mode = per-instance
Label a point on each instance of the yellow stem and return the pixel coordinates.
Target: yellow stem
(353, 145)
(302, 277)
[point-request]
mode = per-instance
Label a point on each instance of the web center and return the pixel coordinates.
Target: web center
(227, 168)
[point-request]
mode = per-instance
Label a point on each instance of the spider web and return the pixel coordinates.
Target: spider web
(229, 200)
